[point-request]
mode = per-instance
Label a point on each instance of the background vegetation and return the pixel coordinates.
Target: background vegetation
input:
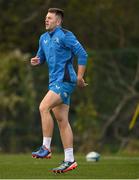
(100, 114)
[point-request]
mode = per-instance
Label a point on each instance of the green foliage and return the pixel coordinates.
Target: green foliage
(101, 112)
(115, 94)
(105, 107)
(104, 24)
(17, 99)
(86, 122)
(118, 69)
(97, 24)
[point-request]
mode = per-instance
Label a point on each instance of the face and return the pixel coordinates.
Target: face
(51, 21)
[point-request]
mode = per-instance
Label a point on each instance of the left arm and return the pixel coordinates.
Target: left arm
(80, 75)
(71, 42)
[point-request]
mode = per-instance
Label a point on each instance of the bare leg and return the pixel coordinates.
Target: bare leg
(61, 114)
(49, 101)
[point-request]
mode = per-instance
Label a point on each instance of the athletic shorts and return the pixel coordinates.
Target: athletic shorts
(64, 89)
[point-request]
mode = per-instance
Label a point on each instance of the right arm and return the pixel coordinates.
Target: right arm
(35, 61)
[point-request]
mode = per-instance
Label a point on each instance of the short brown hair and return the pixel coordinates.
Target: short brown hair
(57, 11)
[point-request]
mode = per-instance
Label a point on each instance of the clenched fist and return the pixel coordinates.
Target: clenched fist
(35, 61)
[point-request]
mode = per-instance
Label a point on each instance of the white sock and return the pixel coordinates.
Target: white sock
(69, 154)
(47, 142)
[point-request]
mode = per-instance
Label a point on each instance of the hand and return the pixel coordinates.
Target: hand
(80, 82)
(35, 61)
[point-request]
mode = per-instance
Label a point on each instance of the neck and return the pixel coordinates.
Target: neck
(51, 30)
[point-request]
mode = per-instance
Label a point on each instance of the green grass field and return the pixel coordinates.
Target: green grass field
(111, 167)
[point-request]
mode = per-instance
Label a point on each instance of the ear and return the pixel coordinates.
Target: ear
(58, 21)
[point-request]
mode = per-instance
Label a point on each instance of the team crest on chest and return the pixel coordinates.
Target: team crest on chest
(56, 39)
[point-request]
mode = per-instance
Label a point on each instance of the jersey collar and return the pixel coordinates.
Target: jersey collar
(52, 32)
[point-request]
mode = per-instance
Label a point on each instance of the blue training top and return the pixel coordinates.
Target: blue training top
(58, 49)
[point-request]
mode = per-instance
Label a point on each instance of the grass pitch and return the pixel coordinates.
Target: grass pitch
(22, 166)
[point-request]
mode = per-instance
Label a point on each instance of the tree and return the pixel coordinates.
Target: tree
(17, 102)
(99, 24)
(109, 31)
(116, 98)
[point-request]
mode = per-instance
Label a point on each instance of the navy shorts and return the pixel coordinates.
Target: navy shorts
(64, 89)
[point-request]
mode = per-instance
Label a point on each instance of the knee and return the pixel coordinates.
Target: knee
(62, 123)
(43, 108)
